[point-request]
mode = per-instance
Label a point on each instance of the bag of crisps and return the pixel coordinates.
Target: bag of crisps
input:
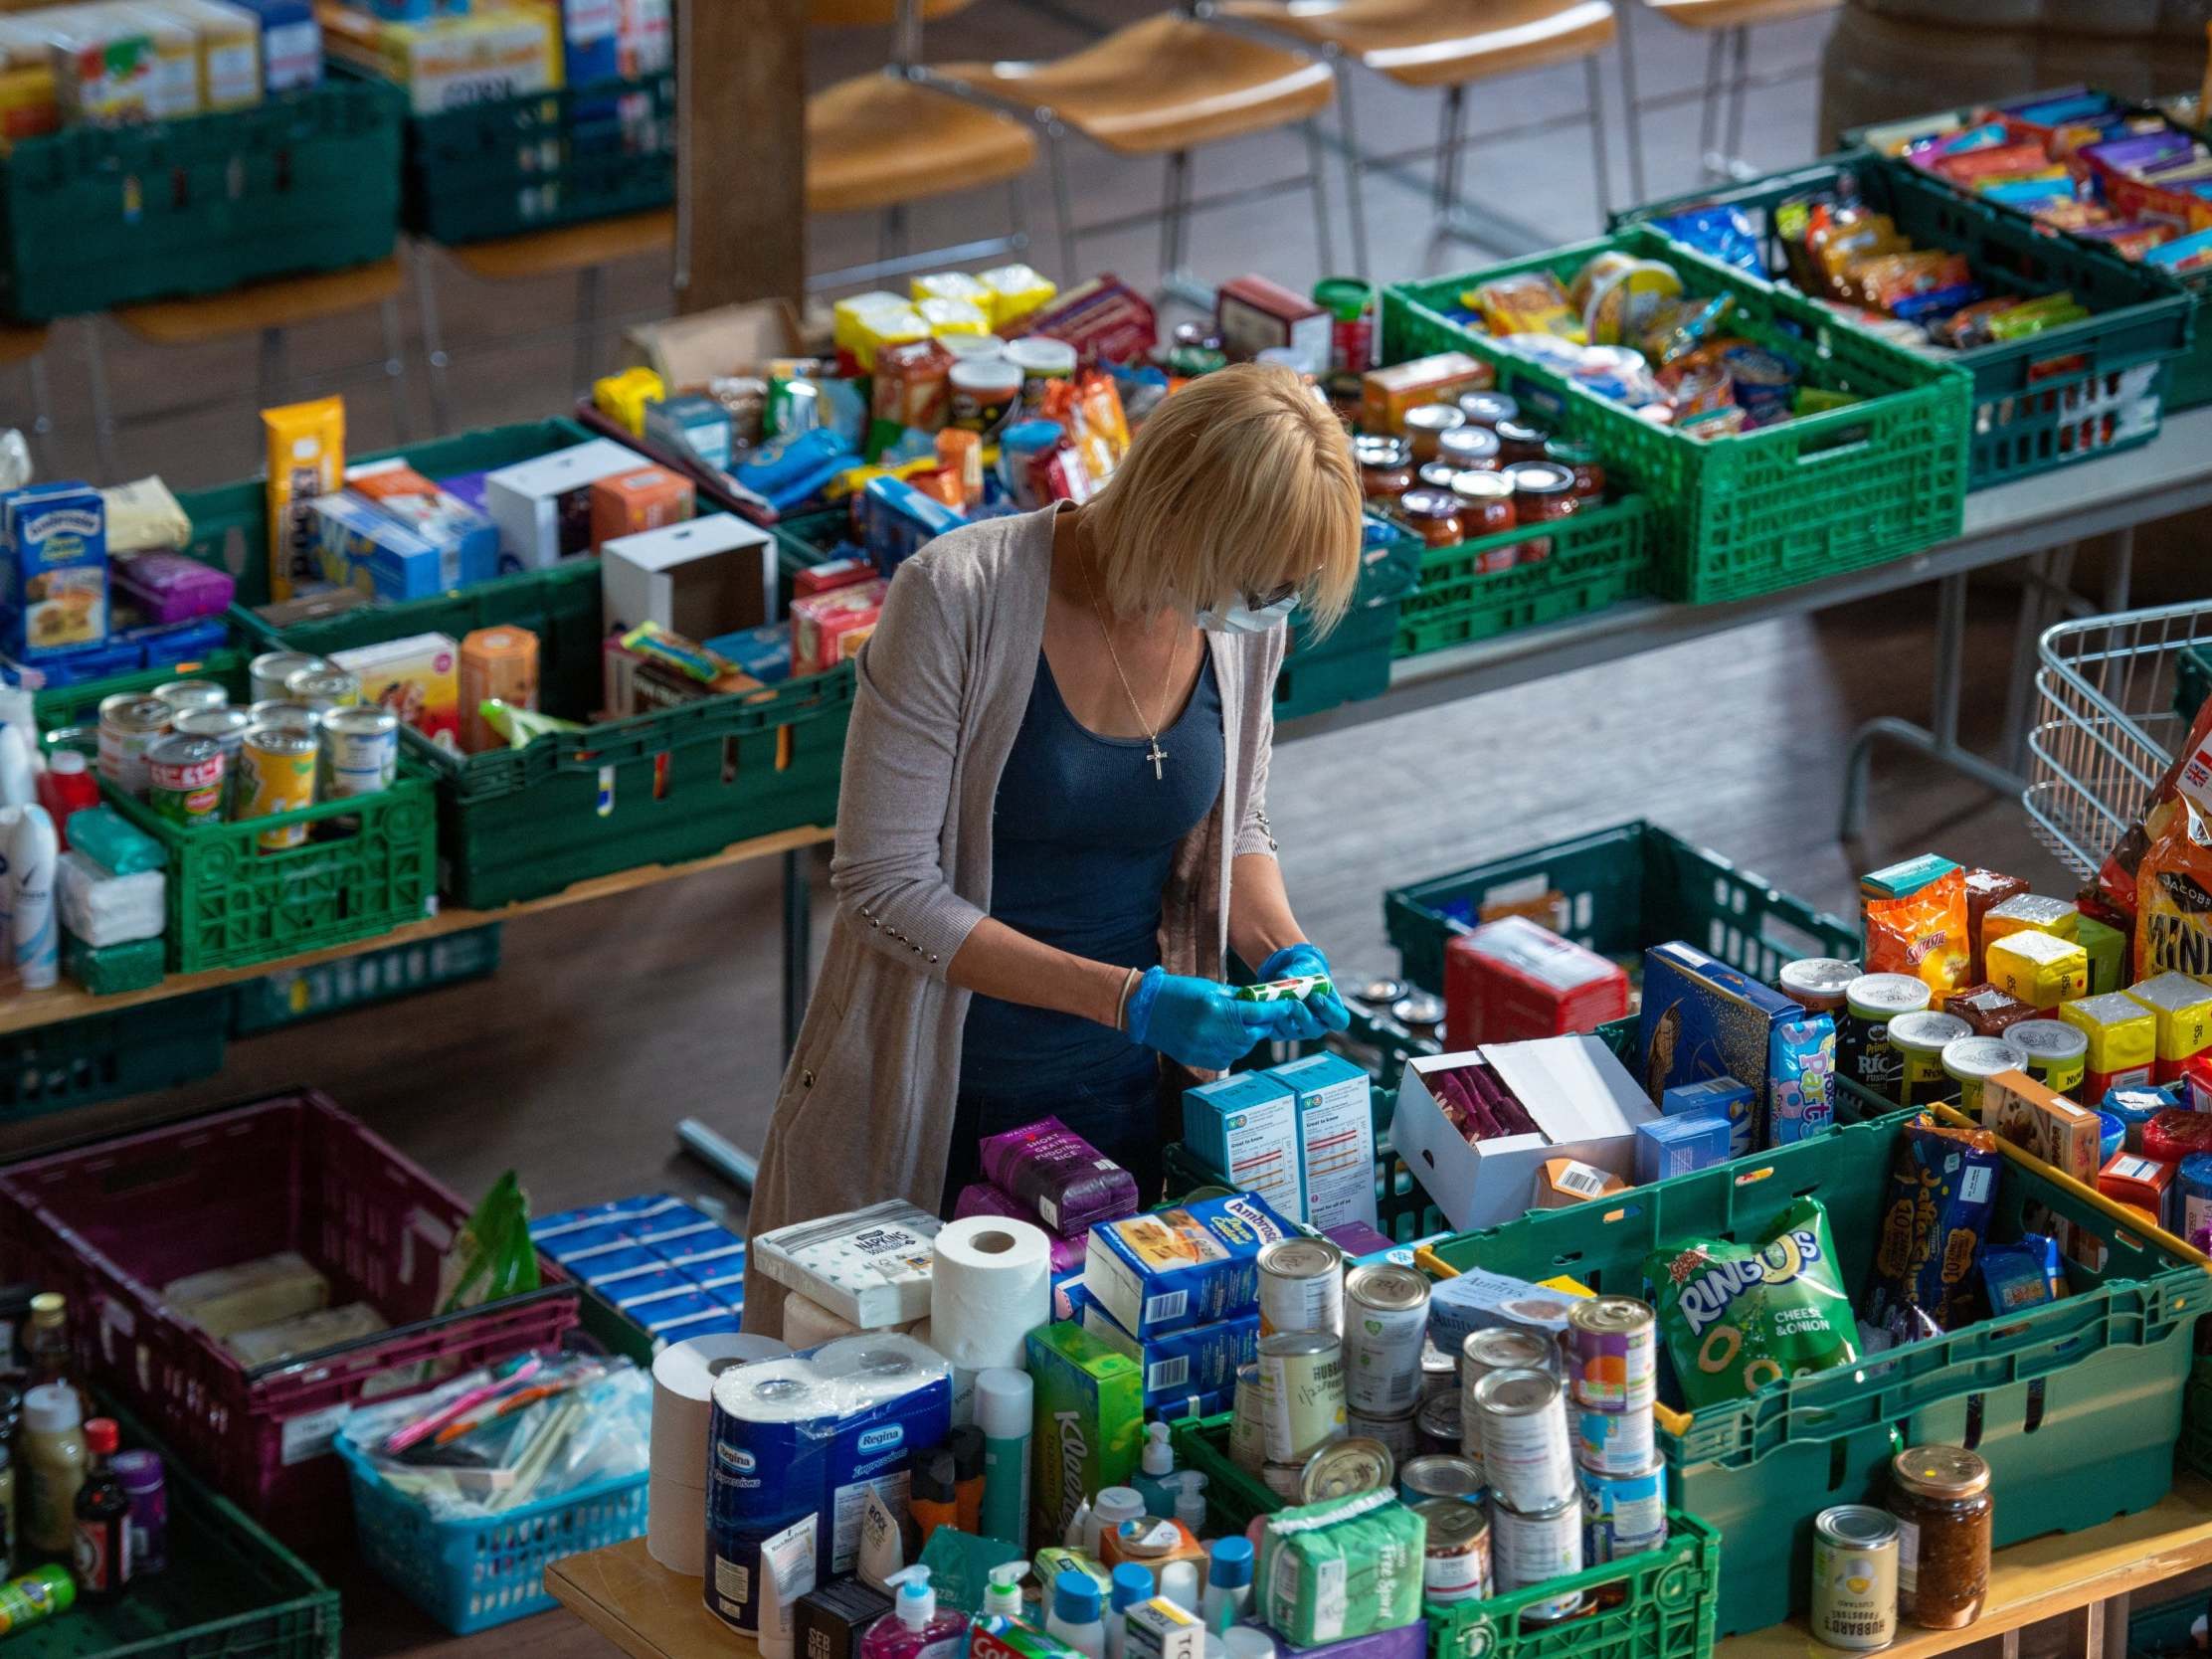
(1916, 922)
(2174, 889)
(1737, 1317)
(2117, 879)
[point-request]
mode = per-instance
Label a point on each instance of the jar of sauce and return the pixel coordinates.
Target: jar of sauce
(1944, 1515)
(1469, 448)
(1487, 409)
(1517, 440)
(1436, 474)
(1426, 422)
(1485, 503)
(1543, 493)
(1385, 466)
(1433, 515)
(1581, 461)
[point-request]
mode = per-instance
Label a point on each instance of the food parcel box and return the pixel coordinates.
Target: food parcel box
(1576, 1100)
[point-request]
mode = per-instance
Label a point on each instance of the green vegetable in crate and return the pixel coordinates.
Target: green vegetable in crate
(494, 1257)
(1737, 1317)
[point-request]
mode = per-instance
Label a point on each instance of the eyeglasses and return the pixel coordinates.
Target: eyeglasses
(1281, 594)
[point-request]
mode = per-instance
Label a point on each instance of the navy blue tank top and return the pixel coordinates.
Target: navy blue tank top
(1083, 837)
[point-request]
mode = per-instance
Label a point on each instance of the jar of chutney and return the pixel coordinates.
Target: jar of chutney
(1485, 503)
(1517, 440)
(1580, 460)
(1426, 424)
(1385, 466)
(1469, 448)
(1945, 1517)
(1487, 409)
(1433, 515)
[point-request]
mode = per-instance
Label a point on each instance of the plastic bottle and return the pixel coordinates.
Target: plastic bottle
(1189, 1503)
(1178, 1582)
(35, 1597)
(1112, 1506)
(1075, 1616)
(967, 1449)
(1247, 1641)
(1082, 1528)
(1004, 1411)
(933, 1498)
(1002, 1593)
(18, 779)
(67, 785)
(915, 1629)
(45, 1346)
(1132, 1585)
(54, 1466)
(32, 851)
(103, 1548)
(1153, 1483)
(1229, 1582)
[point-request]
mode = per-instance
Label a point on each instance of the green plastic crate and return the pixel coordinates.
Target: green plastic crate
(291, 995)
(1757, 511)
(229, 1590)
(2161, 1631)
(2076, 1406)
(95, 217)
(1656, 1605)
(104, 1056)
(1347, 664)
(1620, 892)
(512, 165)
(1596, 559)
(2033, 399)
(78, 705)
(111, 970)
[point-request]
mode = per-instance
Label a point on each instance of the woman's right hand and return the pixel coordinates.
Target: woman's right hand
(1199, 1023)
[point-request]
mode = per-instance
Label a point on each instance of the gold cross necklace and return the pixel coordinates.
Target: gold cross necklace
(1154, 753)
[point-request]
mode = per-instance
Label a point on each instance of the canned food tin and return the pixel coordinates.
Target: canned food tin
(1248, 1420)
(1613, 1442)
(1501, 1348)
(1438, 1425)
(184, 779)
(325, 688)
(1457, 1568)
(1399, 1432)
(1612, 1353)
(277, 774)
(1419, 1008)
(1347, 1468)
(1286, 1480)
(1302, 1388)
(360, 751)
(1534, 1547)
(268, 673)
(130, 725)
(1439, 1371)
(1526, 1457)
(1301, 1286)
(1439, 1476)
(1382, 991)
(282, 711)
(1854, 1578)
(1624, 1515)
(183, 695)
(1385, 1322)
(2058, 1053)
(1918, 1040)
(226, 727)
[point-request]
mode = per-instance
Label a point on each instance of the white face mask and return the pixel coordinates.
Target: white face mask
(1240, 618)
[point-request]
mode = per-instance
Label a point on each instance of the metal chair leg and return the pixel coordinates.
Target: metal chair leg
(1017, 216)
(395, 369)
(588, 283)
(1453, 121)
(1600, 160)
(104, 410)
(42, 413)
(1355, 203)
(434, 339)
(1063, 200)
(1708, 108)
(1174, 215)
(1629, 112)
(1738, 97)
(275, 371)
(1314, 166)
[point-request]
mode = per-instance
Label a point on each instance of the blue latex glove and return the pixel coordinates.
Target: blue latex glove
(1202, 1023)
(1312, 1016)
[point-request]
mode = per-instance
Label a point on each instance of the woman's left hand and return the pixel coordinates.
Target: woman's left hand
(1310, 1017)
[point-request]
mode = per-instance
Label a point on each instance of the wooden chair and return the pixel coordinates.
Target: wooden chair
(1451, 44)
(1162, 87)
(583, 250)
(270, 309)
(1728, 26)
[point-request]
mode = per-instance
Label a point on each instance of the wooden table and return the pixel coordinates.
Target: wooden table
(651, 1613)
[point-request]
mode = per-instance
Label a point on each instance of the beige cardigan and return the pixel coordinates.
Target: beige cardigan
(866, 1111)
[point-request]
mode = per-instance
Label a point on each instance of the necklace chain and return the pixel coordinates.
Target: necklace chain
(1154, 753)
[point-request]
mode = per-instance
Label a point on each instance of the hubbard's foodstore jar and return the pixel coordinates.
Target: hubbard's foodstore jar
(1940, 1498)
(1469, 448)
(1543, 493)
(1426, 424)
(1433, 515)
(1385, 466)
(1485, 508)
(1581, 461)
(1517, 440)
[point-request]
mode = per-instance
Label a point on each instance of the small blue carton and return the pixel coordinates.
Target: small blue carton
(1192, 1264)
(1672, 1145)
(1197, 1359)
(1724, 1095)
(54, 575)
(1245, 1128)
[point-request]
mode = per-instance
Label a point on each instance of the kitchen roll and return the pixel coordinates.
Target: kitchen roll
(683, 1376)
(991, 1285)
(675, 1526)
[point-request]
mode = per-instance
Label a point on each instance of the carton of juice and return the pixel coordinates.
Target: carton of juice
(54, 578)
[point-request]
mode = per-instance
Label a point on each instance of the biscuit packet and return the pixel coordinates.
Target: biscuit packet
(1737, 1317)
(1943, 1187)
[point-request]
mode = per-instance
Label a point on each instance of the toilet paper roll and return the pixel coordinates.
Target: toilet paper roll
(683, 1376)
(964, 1383)
(675, 1526)
(991, 1285)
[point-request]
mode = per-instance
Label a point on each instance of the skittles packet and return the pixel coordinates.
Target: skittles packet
(1737, 1317)
(1942, 1186)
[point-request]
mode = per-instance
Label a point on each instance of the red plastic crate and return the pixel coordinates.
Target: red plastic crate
(109, 1223)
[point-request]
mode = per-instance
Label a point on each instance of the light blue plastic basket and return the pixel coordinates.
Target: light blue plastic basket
(471, 1575)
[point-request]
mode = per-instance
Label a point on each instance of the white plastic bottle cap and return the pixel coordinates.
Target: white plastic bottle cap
(1004, 1402)
(1116, 1504)
(50, 1408)
(1178, 1582)
(1160, 1457)
(1244, 1641)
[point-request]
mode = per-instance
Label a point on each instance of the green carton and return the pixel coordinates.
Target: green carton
(1090, 1414)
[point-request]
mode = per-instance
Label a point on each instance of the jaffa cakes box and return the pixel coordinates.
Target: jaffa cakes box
(54, 576)
(1193, 1264)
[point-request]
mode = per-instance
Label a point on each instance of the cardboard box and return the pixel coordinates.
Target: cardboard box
(54, 570)
(1703, 1018)
(1679, 1144)
(2146, 1183)
(2181, 1007)
(1336, 1138)
(1090, 1414)
(468, 542)
(1192, 1264)
(1583, 1100)
(2042, 1122)
(1253, 314)
(493, 53)
(1199, 1360)
(692, 424)
(820, 624)
(701, 577)
(543, 508)
(1245, 1128)
(1481, 1300)
(1723, 1095)
(631, 503)
(374, 553)
(728, 340)
(418, 679)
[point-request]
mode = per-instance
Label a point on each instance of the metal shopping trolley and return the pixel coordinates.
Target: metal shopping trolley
(2114, 695)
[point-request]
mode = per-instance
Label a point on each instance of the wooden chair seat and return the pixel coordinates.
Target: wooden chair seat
(1442, 43)
(1165, 84)
(1734, 14)
(283, 303)
(567, 248)
(880, 140)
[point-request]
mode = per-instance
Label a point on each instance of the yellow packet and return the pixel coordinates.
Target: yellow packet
(1015, 292)
(623, 397)
(306, 459)
(2029, 913)
(2036, 969)
(2122, 1033)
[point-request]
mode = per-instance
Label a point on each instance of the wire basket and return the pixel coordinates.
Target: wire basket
(2107, 724)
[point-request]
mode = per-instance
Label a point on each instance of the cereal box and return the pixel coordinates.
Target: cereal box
(1701, 1019)
(54, 578)
(1190, 1265)
(417, 678)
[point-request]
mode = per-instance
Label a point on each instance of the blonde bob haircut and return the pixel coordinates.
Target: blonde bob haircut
(1236, 486)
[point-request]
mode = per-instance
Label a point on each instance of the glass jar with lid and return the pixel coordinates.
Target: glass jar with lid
(1433, 515)
(1485, 506)
(1520, 441)
(1944, 1515)
(1487, 409)
(1580, 460)
(1435, 475)
(1385, 466)
(1426, 422)
(1543, 493)
(1469, 448)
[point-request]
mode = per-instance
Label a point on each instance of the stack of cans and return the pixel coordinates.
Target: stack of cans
(1612, 1360)
(1386, 1328)
(1298, 1391)
(1519, 1418)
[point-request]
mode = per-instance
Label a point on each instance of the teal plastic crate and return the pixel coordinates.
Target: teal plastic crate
(1619, 891)
(1757, 511)
(2076, 1406)
(105, 1056)
(97, 216)
(2067, 395)
(291, 995)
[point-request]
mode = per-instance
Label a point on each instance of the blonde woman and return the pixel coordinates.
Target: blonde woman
(1054, 823)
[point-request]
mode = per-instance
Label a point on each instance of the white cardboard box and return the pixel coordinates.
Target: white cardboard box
(1583, 1100)
(702, 578)
(543, 506)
